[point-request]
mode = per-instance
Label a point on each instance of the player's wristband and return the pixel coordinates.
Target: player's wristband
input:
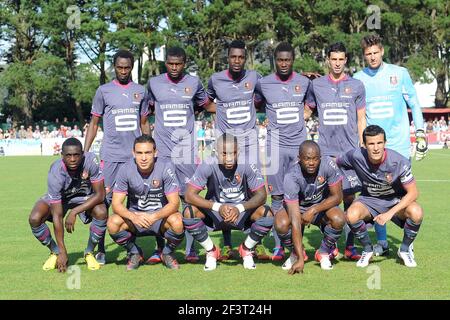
(216, 206)
(240, 207)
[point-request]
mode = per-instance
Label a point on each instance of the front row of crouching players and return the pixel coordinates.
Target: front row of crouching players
(235, 199)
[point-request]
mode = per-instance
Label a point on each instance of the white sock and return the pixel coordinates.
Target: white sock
(250, 243)
(208, 245)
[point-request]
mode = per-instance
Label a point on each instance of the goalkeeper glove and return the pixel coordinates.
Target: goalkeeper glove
(421, 144)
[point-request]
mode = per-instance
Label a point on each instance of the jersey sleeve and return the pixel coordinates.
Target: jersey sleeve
(410, 96)
(98, 104)
(95, 174)
(55, 185)
(171, 184)
(149, 98)
(200, 97)
(255, 179)
(210, 91)
(310, 100)
(333, 174)
(291, 188)
(258, 97)
(200, 177)
(406, 176)
(121, 184)
(360, 100)
(345, 160)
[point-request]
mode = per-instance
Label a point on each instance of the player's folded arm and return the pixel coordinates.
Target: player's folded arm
(192, 197)
(258, 198)
(118, 206)
(334, 198)
(173, 203)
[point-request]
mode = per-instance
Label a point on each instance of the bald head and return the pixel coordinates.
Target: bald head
(309, 157)
(308, 145)
(227, 150)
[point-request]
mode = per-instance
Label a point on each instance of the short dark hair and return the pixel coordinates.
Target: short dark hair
(284, 47)
(176, 52)
(144, 139)
(372, 131)
(71, 142)
(237, 44)
(371, 40)
(308, 144)
(123, 54)
(336, 47)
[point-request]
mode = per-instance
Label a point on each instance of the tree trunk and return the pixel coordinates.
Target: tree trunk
(441, 97)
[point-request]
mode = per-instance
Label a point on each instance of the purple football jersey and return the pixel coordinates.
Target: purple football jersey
(337, 103)
(284, 108)
(308, 191)
(383, 181)
(235, 108)
(174, 104)
(64, 185)
(226, 186)
(121, 109)
(146, 193)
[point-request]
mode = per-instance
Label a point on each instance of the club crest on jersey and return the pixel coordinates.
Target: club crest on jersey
(237, 177)
(270, 187)
(393, 80)
(297, 88)
(348, 90)
(388, 177)
(187, 90)
(320, 179)
(155, 183)
(247, 85)
(137, 96)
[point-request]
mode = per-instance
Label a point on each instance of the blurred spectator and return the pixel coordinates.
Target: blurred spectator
(209, 134)
(85, 128)
(152, 130)
(57, 120)
(37, 133)
(314, 130)
(7, 134)
(436, 126)
(62, 131)
(13, 134)
(29, 133)
(45, 133)
(2, 136)
(69, 133)
(76, 132)
(22, 132)
(9, 122)
(200, 136)
(443, 126)
(99, 135)
(429, 127)
(412, 127)
(54, 133)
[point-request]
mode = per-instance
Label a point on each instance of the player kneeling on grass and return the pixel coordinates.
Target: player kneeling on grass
(313, 191)
(152, 205)
(75, 183)
(235, 200)
(389, 192)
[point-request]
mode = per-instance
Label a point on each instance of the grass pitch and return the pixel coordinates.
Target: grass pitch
(23, 181)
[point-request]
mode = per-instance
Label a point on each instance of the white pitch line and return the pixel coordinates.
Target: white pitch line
(433, 180)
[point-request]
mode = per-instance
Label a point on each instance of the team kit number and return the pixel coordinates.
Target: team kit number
(381, 110)
(175, 118)
(238, 115)
(126, 122)
(288, 115)
(333, 117)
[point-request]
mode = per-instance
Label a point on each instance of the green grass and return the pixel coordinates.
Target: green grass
(23, 180)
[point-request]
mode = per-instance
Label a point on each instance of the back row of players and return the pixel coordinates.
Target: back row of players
(234, 198)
